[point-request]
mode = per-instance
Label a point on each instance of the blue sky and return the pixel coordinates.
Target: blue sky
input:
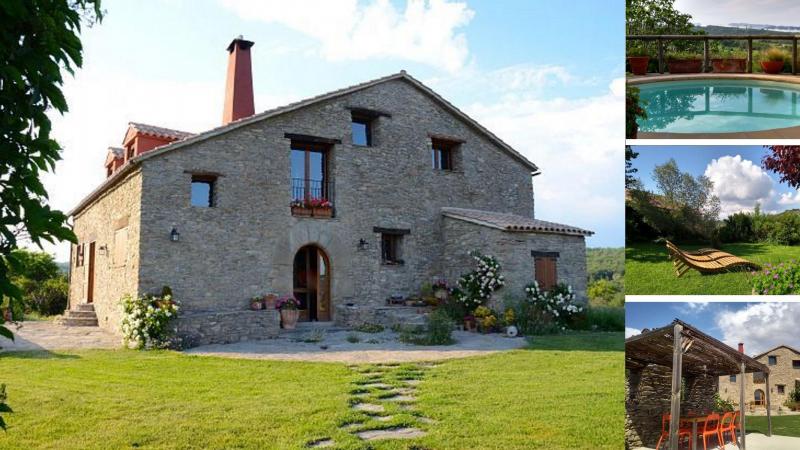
(760, 326)
(725, 12)
(556, 97)
(739, 180)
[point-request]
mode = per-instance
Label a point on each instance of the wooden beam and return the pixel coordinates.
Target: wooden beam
(311, 139)
(705, 55)
(660, 56)
(675, 399)
(741, 403)
(391, 230)
(769, 414)
(750, 55)
(794, 56)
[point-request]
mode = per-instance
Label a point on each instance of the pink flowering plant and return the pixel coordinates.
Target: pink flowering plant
(287, 302)
(146, 320)
(311, 202)
(780, 279)
(475, 288)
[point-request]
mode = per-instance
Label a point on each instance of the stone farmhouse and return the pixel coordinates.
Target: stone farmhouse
(344, 199)
(784, 377)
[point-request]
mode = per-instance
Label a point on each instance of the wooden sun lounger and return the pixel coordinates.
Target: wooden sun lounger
(706, 260)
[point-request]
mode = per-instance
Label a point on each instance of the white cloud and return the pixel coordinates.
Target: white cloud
(761, 326)
(631, 332)
(740, 184)
(425, 32)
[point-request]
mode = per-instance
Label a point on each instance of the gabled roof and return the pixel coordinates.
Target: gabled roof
(161, 132)
(194, 138)
(114, 153)
(773, 349)
(512, 222)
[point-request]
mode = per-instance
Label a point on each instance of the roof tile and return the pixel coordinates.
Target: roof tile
(512, 222)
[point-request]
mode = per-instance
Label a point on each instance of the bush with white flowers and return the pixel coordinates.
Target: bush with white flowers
(146, 320)
(475, 288)
(559, 302)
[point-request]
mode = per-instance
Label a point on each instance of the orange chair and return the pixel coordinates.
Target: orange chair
(682, 432)
(711, 428)
(726, 425)
(737, 422)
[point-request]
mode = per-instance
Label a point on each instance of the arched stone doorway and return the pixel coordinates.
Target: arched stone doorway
(312, 283)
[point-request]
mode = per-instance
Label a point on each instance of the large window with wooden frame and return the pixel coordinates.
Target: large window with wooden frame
(545, 268)
(309, 171)
(443, 153)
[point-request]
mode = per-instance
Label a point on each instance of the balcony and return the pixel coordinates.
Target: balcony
(312, 198)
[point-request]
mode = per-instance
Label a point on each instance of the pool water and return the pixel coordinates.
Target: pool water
(718, 106)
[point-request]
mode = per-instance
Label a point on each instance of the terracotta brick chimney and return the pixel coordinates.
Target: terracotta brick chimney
(239, 86)
(741, 347)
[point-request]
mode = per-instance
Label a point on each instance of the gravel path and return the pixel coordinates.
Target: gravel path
(372, 348)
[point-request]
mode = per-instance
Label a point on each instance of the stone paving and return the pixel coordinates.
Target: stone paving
(50, 335)
(383, 405)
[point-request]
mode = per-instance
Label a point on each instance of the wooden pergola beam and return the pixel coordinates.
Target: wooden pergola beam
(741, 403)
(675, 400)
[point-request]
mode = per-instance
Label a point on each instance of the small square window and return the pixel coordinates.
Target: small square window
(361, 127)
(733, 378)
(391, 248)
(781, 389)
(443, 154)
(773, 360)
(796, 363)
(203, 191)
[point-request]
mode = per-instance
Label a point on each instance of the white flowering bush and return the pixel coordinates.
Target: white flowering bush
(475, 288)
(146, 320)
(559, 302)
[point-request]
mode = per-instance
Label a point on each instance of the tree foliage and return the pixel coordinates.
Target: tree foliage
(785, 161)
(658, 17)
(38, 39)
(630, 155)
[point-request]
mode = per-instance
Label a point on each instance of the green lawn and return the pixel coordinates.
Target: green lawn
(561, 392)
(781, 425)
(649, 271)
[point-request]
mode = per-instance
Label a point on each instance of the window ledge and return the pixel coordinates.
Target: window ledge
(393, 264)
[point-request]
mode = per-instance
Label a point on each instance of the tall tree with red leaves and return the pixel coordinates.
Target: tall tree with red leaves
(785, 161)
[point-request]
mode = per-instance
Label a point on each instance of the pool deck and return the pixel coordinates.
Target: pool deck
(779, 133)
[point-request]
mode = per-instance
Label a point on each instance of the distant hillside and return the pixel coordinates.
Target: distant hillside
(716, 30)
(605, 262)
(63, 267)
(763, 26)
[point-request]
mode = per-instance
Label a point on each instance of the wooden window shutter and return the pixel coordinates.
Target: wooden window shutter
(545, 271)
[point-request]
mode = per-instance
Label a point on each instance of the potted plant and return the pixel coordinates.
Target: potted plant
(290, 311)
(299, 208)
(469, 323)
(509, 318)
(729, 61)
(485, 318)
(256, 303)
(320, 207)
(269, 301)
(638, 60)
(773, 60)
(684, 62)
(440, 290)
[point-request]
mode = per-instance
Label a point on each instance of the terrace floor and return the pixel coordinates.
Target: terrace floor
(757, 441)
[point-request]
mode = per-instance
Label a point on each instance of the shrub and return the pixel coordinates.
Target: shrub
(50, 297)
(776, 54)
(738, 227)
(531, 319)
(721, 405)
(437, 331)
(367, 327)
(777, 280)
(605, 292)
(559, 301)
(633, 111)
(475, 288)
(602, 319)
(353, 338)
(146, 320)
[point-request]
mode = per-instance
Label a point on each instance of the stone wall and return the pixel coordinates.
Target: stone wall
(245, 245)
(116, 269)
(513, 252)
(647, 397)
(213, 327)
(780, 374)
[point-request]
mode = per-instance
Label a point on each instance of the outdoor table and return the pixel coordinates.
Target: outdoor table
(694, 420)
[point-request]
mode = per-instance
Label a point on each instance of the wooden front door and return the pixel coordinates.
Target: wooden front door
(312, 277)
(90, 275)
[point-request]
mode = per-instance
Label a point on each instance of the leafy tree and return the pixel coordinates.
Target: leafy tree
(658, 17)
(38, 38)
(785, 161)
(630, 155)
(604, 293)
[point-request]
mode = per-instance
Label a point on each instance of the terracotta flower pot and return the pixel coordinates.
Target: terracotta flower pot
(255, 306)
(322, 212)
(639, 64)
(301, 211)
(269, 301)
(470, 326)
(685, 65)
(772, 67)
(289, 318)
(728, 65)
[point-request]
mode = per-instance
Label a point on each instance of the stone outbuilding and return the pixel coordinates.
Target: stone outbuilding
(344, 199)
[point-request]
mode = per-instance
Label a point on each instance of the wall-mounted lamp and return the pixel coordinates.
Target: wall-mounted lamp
(174, 235)
(362, 244)
(103, 250)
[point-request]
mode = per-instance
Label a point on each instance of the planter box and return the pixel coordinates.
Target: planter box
(685, 65)
(322, 212)
(772, 67)
(729, 65)
(638, 64)
(300, 211)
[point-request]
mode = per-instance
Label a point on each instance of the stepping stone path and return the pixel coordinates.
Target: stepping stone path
(380, 392)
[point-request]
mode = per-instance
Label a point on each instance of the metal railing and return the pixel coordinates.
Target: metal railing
(660, 39)
(306, 189)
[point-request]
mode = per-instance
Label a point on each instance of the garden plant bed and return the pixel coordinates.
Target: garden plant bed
(649, 271)
(124, 398)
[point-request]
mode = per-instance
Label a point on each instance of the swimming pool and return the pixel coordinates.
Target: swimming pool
(718, 106)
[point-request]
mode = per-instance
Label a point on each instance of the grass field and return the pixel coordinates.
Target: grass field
(781, 425)
(648, 271)
(561, 392)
